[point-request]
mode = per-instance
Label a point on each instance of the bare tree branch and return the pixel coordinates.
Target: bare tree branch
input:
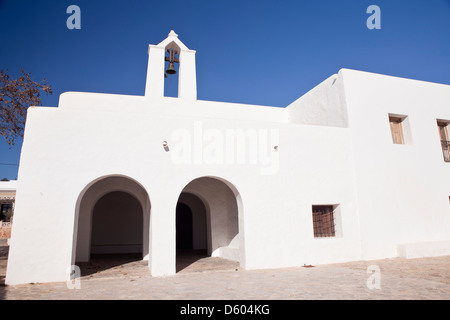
(16, 95)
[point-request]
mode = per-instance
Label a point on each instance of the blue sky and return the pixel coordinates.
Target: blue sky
(256, 52)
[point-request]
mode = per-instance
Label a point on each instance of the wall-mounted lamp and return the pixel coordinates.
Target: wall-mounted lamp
(275, 148)
(165, 145)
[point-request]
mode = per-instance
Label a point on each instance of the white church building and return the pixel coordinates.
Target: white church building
(358, 168)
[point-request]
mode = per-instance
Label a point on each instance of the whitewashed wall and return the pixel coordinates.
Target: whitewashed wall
(403, 190)
(72, 148)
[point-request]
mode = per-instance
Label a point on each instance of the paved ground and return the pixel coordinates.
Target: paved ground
(215, 278)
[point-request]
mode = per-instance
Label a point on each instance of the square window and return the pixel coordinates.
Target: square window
(324, 221)
(5, 212)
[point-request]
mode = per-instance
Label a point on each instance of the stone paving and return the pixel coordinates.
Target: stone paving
(219, 279)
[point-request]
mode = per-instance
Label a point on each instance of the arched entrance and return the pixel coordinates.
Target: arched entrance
(112, 221)
(208, 223)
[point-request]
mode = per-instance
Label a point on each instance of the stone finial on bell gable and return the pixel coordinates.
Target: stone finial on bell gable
(173, 38)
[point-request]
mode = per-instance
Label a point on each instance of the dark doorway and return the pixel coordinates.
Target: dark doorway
(184, 234)
(191, 231)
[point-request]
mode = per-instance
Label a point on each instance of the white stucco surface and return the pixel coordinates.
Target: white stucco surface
(10, 185)
(404, 186)
(424, 249)
(258, 171)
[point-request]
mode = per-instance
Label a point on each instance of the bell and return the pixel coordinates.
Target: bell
(171, 68)
(171, 59)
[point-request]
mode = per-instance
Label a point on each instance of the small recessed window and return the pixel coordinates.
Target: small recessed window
(6, 212)
(324, 222)
(397, 129)
(443, 134)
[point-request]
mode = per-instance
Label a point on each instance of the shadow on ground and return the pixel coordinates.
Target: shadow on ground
(111, 265)
(185, 258)
(104, 262)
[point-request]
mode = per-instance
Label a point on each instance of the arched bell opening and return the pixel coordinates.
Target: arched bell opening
(171, 70)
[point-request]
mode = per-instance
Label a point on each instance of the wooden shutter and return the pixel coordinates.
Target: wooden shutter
(396, 130)
(443, 130)
(443, 133)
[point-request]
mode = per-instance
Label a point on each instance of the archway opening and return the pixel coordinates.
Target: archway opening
(112, 226)
(208, 212)
(171, 70)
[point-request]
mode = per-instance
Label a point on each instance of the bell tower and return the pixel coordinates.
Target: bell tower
(187, 81)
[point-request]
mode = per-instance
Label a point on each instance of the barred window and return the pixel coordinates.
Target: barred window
(324, 221)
